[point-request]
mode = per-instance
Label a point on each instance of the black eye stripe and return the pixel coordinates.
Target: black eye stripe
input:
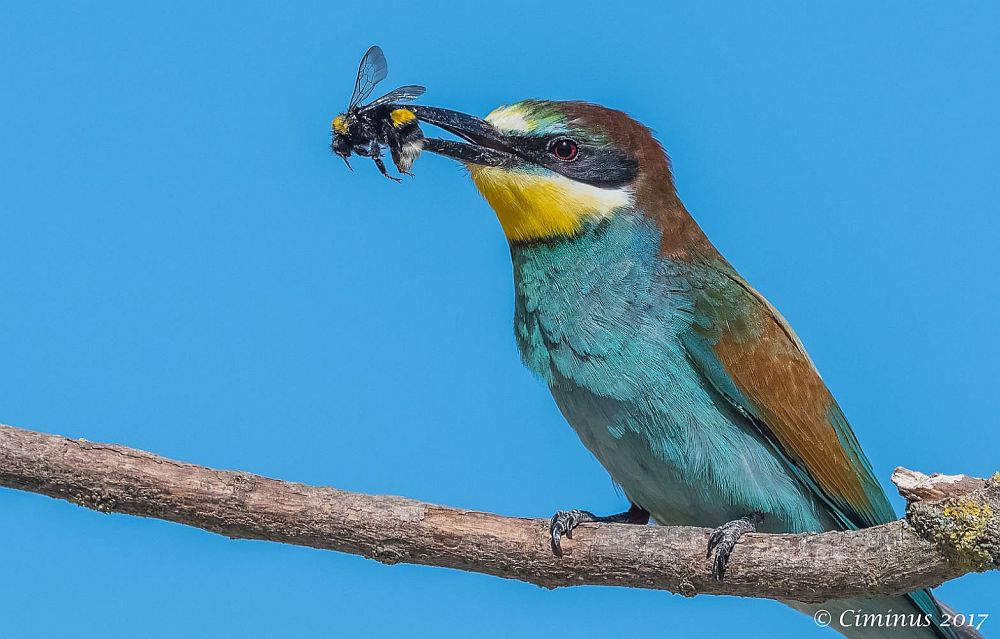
(530, 145)
(594, 164)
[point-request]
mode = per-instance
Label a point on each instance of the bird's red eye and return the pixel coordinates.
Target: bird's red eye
(564, 149)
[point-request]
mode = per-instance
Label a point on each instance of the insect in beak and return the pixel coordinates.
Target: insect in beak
(363, 129)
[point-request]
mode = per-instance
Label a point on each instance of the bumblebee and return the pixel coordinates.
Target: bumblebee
(364, 129)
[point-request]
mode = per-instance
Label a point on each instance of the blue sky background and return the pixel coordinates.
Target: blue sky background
(185, 268)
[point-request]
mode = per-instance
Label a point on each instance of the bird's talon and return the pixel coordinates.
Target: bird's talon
(713, 540)
(723, 540)
(563, 523)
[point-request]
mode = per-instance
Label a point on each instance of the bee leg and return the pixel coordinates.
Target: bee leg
(376, 155)
(381, 167)
(398, 160)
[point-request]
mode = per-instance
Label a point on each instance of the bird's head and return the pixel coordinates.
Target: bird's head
(550, 169)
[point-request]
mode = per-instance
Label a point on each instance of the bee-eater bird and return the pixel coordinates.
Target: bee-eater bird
(686, 384)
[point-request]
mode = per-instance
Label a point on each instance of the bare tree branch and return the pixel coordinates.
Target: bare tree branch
(952, 528)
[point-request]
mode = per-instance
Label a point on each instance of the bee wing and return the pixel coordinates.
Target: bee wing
(402, 94)
(371, 71)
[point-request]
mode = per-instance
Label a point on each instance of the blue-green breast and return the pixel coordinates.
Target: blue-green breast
(602, 317)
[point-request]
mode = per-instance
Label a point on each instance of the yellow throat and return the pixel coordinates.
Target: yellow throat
(533, 206)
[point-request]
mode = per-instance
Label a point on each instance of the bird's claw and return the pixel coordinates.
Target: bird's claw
(723, 539)
(563, 523)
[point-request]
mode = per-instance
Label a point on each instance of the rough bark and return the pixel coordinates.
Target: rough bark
(952, 528)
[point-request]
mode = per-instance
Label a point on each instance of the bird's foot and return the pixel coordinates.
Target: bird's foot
(723, 539)
(564, 521)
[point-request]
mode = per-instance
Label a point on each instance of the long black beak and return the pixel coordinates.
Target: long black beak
(486, 146)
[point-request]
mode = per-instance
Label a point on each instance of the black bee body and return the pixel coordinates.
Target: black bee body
(363, 129)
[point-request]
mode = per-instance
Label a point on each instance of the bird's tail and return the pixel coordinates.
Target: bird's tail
(967, 630)
(915, 616)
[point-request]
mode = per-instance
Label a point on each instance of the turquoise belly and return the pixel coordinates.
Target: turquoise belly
(687, 467)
